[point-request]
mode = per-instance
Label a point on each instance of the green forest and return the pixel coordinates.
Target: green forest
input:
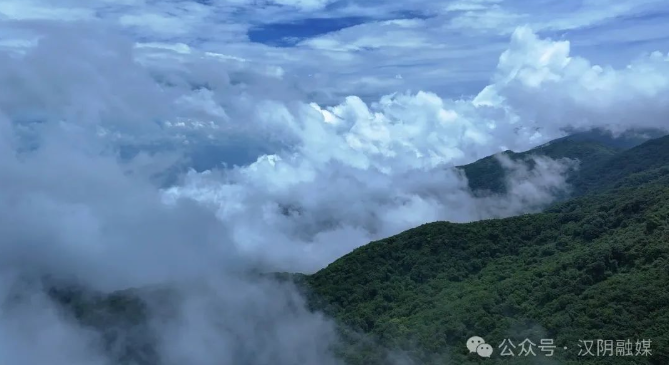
(592, 266)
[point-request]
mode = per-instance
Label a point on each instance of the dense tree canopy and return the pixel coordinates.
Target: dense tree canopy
(594, 267)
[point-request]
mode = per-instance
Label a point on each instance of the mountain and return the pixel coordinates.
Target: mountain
(593, 150)
(647, 157)
(594, 267)
(120, 319)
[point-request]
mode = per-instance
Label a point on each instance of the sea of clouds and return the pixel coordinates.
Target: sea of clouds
(98, 137)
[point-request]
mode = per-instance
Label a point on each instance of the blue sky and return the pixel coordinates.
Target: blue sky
(151, 142)
(371, 48)
(313, 126)
(290, 33)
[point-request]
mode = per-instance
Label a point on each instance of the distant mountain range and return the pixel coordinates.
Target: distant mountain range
(593, 150)
(594, 266)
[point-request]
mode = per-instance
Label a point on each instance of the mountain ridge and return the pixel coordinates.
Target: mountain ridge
(422, 292)
(405, 289)
(591, 149)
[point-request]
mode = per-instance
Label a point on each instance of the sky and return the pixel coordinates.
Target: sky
(152, 143)
(332, 49)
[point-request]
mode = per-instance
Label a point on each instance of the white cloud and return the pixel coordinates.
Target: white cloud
(304, 4)
(470, 5)
(387, 34)
(37, 10)
(358, 171)
(33, 331)
(441, 46)
(365, 147)
(176, 47)
(165, 24)
(330, 177)
(569, 91)
(73, 210)
(493, 18)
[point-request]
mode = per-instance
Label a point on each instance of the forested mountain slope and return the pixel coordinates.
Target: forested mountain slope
(646, 157)
(595, 151)
(595, 267)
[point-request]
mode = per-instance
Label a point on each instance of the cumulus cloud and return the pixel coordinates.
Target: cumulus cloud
(75, 214)
(308, 212)
(448, 48)
(355, 172)
(322, 179)
(568, 91)
(74, 210)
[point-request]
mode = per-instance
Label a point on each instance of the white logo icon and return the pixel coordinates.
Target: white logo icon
(484, 350)
(477, 344)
